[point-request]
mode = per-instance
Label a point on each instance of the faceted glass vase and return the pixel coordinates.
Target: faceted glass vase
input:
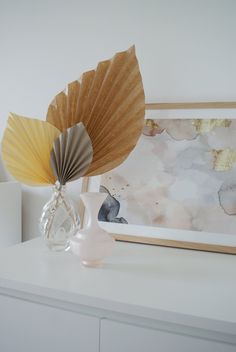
(59, 220)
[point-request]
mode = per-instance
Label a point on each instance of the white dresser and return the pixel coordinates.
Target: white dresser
(144, 298)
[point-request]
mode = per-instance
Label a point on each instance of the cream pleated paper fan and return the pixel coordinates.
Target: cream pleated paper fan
(26, 148)
(110, 103)
(72, 154)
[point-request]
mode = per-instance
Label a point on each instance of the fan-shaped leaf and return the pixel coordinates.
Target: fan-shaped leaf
(26, 148)
(110, 103)
(72, 154)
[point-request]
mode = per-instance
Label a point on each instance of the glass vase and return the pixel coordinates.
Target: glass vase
(92, 244)
(59, 220)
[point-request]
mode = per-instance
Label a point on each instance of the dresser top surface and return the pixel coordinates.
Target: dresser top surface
(135, 279)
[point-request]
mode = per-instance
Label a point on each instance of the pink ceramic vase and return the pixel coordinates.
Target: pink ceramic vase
(92, 244)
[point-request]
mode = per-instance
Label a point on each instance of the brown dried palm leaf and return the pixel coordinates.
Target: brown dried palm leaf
(110, 103)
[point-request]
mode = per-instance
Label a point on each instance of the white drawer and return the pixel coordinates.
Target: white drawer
(31, 327)
(119, 337)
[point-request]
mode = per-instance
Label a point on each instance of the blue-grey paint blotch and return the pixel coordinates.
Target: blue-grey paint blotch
(110, 209)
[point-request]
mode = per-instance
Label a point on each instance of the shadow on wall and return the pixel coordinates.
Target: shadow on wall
(4, 176)
(33, 200)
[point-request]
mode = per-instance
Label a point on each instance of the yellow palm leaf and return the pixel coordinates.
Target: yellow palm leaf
(26, 148)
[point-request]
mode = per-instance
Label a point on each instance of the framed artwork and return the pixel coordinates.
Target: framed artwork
(178, 187)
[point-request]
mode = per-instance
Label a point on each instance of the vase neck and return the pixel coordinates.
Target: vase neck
(59, 189)
(93, 202)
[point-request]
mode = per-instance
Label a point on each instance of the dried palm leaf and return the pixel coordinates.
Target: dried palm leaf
(26, 148)
(72, 154)
(110, 103)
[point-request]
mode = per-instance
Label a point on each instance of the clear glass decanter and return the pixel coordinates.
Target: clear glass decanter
(59, 220)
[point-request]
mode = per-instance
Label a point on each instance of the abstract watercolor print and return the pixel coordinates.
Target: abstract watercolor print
(182, 174)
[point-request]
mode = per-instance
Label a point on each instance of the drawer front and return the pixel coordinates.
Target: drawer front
(119, 337)
(31, 327)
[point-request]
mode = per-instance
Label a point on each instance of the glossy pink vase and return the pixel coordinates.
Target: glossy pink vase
(92, 244)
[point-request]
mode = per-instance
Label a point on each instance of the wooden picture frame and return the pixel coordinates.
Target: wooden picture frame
(222, 243)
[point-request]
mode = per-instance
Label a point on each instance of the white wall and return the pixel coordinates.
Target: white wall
(186, 50)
